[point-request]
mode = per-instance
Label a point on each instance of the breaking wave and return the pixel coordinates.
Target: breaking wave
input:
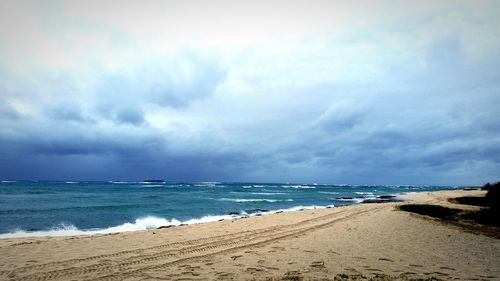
(243, 200)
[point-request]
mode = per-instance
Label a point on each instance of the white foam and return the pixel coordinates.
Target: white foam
(71, 182)
(145, 223)
(208, 219)
(259, 193)
(356, 200)
(207, 184)
(364, 193)
(267, 193)
(8, 181)
(243, 200)
(327, 192)
(299, 186)
(300, 208)
(153, 185)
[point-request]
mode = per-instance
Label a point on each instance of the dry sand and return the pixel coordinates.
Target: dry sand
(363, 239)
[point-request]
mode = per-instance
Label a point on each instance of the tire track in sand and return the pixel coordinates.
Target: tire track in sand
(117, 270)
(268, 240)
(158, 247)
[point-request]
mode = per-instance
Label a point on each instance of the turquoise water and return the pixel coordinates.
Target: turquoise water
(38, 208)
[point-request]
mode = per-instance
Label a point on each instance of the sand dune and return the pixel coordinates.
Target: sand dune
(363, 239)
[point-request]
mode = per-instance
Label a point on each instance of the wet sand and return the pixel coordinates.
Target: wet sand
(366, 239)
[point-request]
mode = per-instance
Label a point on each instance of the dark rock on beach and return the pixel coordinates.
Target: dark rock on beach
(382, 199)
(257, 210)
(165, 226)
(386, 196)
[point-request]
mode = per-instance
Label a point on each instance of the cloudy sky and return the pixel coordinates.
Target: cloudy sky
(381, 92)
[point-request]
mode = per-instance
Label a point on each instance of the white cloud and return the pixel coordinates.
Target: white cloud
(284, 91)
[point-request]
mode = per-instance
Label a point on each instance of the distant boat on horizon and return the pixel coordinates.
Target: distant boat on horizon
(154, 181)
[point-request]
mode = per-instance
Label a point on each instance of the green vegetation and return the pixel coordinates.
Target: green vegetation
(434, 211)
(488, 215)
(493, 195)
(491, 200)
(470, 200)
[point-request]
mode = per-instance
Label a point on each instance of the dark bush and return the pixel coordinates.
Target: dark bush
(435, 211)
(488, 216)
(493, 195)
(471, 200)
(492, 198)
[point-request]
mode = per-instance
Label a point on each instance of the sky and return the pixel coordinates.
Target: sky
(340, 92)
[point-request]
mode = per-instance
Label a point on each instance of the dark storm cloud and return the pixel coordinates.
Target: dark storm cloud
(67, 112)
(130, 115)
(331, 99)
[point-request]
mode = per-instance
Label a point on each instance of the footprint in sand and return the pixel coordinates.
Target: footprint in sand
(374, 269)
(235, 257)
(270, 268)
(318, 264)
(190, 273)
(487, 276)
(221, 274)
(253, 269)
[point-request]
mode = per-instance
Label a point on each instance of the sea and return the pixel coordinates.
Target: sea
(59, 208)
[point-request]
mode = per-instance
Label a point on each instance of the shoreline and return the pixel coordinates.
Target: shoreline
(153, 222)
(171, 224)
(364, 239)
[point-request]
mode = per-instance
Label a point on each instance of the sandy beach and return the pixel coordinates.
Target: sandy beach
(364, 239)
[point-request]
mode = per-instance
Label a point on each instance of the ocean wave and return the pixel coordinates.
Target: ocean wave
(328, 192)
(5, 181)
(363, 193)
(244, 200)
(300, 208)
(145, 223)
(87, 209)
(267, 193)
(299, 186)
(207, 184)
(259, 193)
(355, 200)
